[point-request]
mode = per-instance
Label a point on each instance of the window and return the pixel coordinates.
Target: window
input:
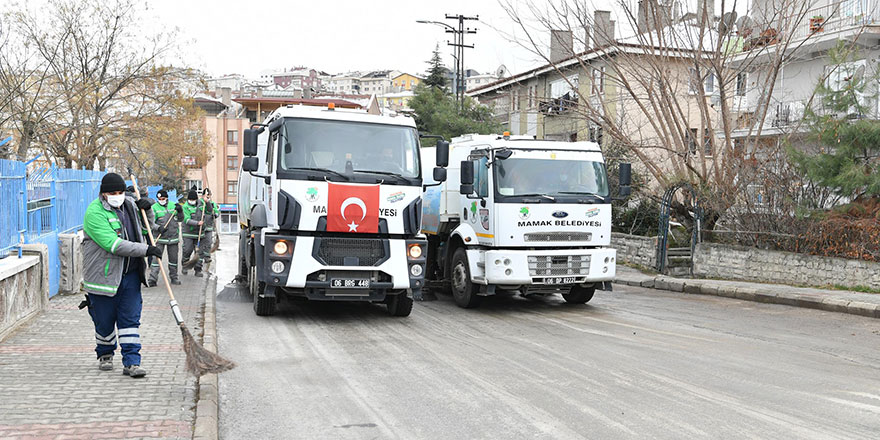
(741, 83)
(194, 183)
(595, 134)
(231, 189)
(232, 137)
(709, 86)
(598, 83)
(232, 163)
(481, 177)
(565, 86)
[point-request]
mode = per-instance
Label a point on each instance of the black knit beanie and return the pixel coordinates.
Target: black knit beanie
(162, 193)
(112, 182)
(192, 195)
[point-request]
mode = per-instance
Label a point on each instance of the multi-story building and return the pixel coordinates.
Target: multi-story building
(405, 81)
(474, 81)
(396, 101)
(307, 79)
(377, 82)
(345, 83)
(807, 61)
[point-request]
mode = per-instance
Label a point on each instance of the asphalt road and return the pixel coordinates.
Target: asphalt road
(634, 363)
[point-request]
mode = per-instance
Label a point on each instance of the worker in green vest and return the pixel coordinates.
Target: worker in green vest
(165, 228)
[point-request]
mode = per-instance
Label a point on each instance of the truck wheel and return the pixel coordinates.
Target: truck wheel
(262, 306)
(579, 295)
(400, 305)
(463, 290)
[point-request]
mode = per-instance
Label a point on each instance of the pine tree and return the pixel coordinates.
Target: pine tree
(436, 76)
(848, 161)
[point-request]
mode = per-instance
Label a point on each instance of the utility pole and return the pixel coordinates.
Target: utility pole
(460, 74)
(460, 70)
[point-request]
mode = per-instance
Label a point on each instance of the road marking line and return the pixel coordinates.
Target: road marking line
(859, 405)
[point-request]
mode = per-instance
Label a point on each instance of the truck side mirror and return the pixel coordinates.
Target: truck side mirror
(250, 164)
(625, 178)
(467, 178)
(442, 154)
(250, 142)
(439, 174)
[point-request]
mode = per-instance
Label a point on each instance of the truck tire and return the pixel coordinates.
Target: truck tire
(262, 306)
(463, 290)
(579, 295)
(400, 305)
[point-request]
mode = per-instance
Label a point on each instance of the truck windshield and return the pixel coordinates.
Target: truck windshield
(531, 176)
(377, 149)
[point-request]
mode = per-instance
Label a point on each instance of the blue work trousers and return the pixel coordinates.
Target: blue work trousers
(118, 317)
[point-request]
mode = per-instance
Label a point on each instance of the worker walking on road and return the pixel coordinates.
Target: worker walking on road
(194, 234)
(165, 229)
(113, 251)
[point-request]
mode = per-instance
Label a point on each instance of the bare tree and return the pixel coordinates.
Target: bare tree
(89, 71)
(672, 90)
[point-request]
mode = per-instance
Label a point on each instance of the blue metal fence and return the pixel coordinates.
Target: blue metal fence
(39, 205)
(13, 216)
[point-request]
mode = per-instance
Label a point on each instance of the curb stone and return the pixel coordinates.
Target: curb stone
(770, 296)
(208, 403)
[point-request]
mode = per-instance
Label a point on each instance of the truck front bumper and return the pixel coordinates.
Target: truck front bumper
(545, 267)
(317, 265)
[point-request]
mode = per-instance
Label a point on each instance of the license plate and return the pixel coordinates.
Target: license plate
(560, 280)
(348, 283)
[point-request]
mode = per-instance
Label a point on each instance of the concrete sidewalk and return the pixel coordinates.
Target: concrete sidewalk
(50, 386)
(856, 303)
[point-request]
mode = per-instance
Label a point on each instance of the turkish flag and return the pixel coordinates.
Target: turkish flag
(352, 208)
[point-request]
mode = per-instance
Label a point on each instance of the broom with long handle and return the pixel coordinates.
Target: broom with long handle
(199, 361)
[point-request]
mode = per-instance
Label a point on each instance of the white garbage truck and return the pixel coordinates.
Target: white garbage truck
(523, 215)
(330, 208)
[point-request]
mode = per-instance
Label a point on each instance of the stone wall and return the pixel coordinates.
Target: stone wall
(713, 260)
(635, 249)
(24, 289)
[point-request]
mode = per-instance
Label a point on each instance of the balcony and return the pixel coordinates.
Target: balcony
(824, 26)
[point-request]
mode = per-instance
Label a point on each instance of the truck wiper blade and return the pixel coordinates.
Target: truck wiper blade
(537, 195)
(383, 173)
(581, 193)
(321, 170)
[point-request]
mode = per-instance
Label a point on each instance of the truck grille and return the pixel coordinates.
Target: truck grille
(357, 251)
(558, 236)
(559, 265)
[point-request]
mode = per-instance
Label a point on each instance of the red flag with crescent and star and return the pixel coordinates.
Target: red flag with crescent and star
(352, 208)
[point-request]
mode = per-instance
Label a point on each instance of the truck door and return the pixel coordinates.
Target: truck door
(480, 214)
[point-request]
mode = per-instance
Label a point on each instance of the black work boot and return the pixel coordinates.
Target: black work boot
(199, 274)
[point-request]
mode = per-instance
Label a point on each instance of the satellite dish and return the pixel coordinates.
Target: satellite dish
(744, 24)
(501, 71)
(725, 25)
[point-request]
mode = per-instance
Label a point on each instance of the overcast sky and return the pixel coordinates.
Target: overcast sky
(247, 37)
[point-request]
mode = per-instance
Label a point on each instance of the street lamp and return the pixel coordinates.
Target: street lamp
(452, 30)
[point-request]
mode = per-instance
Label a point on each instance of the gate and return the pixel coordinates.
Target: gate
(677, 259)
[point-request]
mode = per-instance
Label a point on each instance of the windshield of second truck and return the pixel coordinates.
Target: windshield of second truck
(390, 150)
(529, 176)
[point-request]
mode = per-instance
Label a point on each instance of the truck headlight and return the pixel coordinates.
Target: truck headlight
(280, 247)
(277, 267)
(415, 270)
(415, 251)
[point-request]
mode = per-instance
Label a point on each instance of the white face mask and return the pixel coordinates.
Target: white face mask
(192, 202)
(116, 201)
(163, 202)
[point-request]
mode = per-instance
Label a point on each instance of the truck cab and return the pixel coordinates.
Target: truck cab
(523, 215)
(330, 208)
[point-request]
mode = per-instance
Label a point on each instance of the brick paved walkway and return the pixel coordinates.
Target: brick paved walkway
(50, 387)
